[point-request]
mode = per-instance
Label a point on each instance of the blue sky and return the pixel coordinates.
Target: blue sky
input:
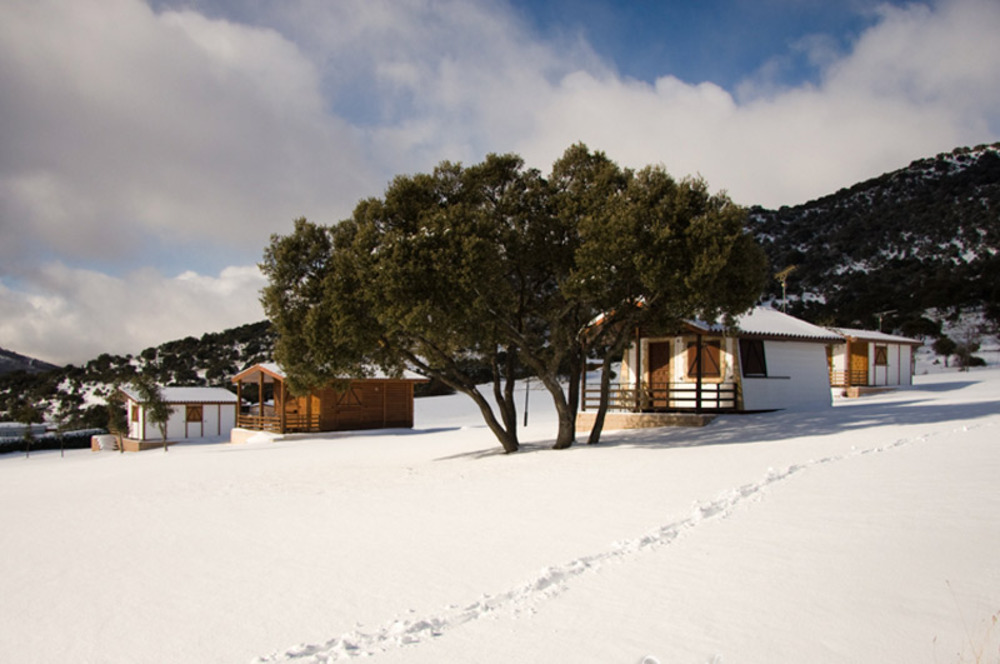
(148, 150)
(723, 41)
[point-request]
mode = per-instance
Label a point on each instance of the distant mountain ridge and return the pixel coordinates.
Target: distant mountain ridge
(924, 237)
(11, 361)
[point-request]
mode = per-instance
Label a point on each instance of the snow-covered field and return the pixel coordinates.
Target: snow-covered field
(869, 532)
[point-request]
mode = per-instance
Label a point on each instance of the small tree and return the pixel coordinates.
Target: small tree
(28, 415)
(117, 416)
(62, 417)
(156, 409)
(945, 347)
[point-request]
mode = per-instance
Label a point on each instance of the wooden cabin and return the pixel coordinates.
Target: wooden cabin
(770, 361)
(363, 403)
(197, 414)
(863, 361)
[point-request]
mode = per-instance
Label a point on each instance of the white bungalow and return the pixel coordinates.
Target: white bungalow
(864, 360)
(197, 413)
(770, 361)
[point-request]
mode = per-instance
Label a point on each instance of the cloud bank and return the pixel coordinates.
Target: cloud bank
(143, 150)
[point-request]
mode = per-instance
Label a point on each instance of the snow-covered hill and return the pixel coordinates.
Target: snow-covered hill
(866, 533)
(923, 237)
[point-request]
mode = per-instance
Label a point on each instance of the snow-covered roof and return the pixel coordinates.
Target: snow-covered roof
(274, 369)
(768, 322)
(871, 335)
(188, 394)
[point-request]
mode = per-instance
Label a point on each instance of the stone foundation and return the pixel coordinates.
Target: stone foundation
(585, 420)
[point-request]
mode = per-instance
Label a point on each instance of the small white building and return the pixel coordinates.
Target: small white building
(198, 413)
(867, 359)
(768, 361)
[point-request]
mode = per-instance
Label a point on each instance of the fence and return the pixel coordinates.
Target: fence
(857, 377)
(665, 397)
(293, 423)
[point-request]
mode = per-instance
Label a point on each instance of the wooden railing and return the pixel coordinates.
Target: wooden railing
(857, 376)
(259, 423)
(304, 423)
(664, 397)
(293, 423)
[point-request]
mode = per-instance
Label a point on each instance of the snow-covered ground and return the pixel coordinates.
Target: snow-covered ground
(869, 532)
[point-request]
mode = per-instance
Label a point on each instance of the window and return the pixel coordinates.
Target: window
(752, 357)
(881, 356)
(193, 413)
(349, 398)
(135, 413)
(710, 354)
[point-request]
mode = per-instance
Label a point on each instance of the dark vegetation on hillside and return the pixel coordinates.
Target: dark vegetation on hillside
(11, 361)
(920, 239)
(209, 361)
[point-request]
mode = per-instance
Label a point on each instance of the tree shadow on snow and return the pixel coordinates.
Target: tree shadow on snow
(778, 426)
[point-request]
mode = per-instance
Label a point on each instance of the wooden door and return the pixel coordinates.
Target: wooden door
(659, 373)
(858, 372)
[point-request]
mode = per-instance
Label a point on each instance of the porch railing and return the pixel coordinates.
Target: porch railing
(293, 423)
(857, 376)
(665, 397)
(259, 422)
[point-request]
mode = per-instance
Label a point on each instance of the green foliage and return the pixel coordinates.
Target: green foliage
(493, 265)
(945, 347)
(156, 410)
(117, 417)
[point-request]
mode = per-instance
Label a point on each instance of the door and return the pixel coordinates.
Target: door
(858, 372)
(659, 373)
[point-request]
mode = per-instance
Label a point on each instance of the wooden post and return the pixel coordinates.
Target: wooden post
(279, 404)
(699, 372)
(260, 399)
(638, 371)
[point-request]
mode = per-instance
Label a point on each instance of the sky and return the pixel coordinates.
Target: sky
(149, 150)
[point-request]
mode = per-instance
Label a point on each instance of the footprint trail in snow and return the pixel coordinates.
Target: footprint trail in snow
(549, 581)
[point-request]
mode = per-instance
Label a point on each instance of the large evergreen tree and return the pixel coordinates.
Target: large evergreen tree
(493, 264)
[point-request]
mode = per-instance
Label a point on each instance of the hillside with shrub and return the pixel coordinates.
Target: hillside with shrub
(917, 245)
(79, 391)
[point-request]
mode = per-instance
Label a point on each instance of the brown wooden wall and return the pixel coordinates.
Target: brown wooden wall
(367, 404)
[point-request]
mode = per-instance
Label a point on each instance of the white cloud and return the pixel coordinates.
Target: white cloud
(71, 315)
(119, 122)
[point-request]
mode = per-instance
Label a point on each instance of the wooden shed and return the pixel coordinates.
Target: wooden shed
(197, 414)
(362, 403)
(863, 360)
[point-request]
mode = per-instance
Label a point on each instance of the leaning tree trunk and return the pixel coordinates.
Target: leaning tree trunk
(602, 408)
(507, 437)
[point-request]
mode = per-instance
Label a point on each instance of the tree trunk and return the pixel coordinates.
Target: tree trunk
(567, 426)
(507, 436)
(602, 408)
(503, 393)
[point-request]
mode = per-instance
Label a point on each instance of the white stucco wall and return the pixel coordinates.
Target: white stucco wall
(217, 421)
(898, 371)
(797, 378)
